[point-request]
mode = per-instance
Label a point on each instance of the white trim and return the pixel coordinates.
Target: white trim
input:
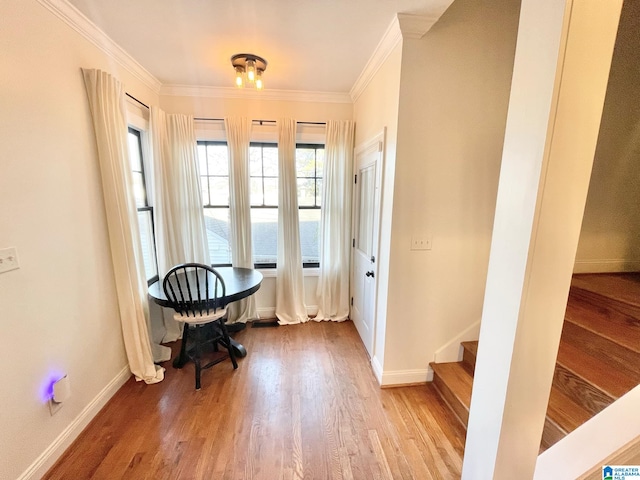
(416, 26)
(54, 451)
(404, 377)
(452, 350)
(391, 38)
(268, 94)
(606, 266)
(594, 441)
(377, 369)
(85, 27)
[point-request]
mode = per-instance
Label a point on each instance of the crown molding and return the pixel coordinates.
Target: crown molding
(416, 26)
(392, 36)
(85, 27)
(268, 94)
(402, 26)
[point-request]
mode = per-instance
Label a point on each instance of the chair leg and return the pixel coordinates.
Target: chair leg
(182, 358)
(196, 358)
(227, 342)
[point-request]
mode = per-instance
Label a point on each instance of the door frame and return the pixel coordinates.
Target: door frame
(378, 142)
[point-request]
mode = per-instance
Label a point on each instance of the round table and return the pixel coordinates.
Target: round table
(239, 283)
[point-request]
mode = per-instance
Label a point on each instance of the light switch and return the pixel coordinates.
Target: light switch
(9, 259)
(420, 242)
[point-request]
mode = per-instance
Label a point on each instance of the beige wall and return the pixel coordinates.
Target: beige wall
(454, 93)
(375, 110)
(610, 237)
(58, 311)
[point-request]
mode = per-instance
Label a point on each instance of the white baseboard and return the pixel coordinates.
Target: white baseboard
(54, 451)
(377, 369)
(593, 442)
(404, 377)
(606, 266)
(270, 312)
(452, 351)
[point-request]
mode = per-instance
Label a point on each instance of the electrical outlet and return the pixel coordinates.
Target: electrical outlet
(420, 242)
(8, 259)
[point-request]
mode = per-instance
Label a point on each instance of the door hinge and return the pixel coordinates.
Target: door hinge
(352, 301)
(353, 243)
(355, 179)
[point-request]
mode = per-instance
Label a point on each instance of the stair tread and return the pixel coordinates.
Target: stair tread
(564, 412)
(604, 319)
(623, 287)
(613, 358)
(457, 379)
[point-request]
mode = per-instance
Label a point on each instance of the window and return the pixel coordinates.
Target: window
(145, 211)
(214, 176)
(309, 167)
(263, 182)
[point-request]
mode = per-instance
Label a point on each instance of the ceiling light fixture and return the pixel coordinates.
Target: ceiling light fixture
(249, 69)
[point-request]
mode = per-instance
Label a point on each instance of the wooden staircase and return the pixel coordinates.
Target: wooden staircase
(598, 359)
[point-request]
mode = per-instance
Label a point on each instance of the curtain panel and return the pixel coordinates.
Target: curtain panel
(238, 130)
(335, 224)
(106, 101)
(290, 307)
(179, 219)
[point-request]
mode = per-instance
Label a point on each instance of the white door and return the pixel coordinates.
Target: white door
(368, 169)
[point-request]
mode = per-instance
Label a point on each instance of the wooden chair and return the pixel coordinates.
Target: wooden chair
(196, 293)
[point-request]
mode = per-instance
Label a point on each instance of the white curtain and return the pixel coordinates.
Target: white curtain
(179, 219)
(335, 229)
(238, 132)
(106, 100)
(290, 307)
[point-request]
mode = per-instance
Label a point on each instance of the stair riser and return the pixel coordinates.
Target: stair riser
(469, 361)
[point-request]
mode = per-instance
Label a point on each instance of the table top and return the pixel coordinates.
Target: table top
(239, 283)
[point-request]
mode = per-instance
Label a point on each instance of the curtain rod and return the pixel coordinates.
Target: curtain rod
(260, 122)
(136, 100)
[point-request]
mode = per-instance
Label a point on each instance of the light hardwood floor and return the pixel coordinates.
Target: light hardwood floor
(303, 404)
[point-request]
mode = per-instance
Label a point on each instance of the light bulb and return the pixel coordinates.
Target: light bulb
(259, 84)
(251, 70)
(239, 77)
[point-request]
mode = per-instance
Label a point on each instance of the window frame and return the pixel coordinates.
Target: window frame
(315, 206)
(147, 205)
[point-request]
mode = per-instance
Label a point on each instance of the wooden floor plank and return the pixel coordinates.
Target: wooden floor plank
(304, 404)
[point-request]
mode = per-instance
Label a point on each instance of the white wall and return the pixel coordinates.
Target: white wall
(211, 107)
(610, 237)
(375, 109)
(454, 92)
(58, 311)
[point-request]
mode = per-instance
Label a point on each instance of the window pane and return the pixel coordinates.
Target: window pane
(271, 191)
(255, 161)
(146, 237)
(134, 151)
(138, 189)
(216, 222)
(219, 190)
(270, 161)
(310, 235)
(255, 189)
(204, 185)
(264, 234)
(319, 192)
(306, 192)
(320, 162)
(217, 160)
(305, 162)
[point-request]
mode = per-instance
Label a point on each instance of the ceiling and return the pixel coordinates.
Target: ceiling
(311, 45)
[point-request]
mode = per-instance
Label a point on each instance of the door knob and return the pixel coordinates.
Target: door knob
(370, 274)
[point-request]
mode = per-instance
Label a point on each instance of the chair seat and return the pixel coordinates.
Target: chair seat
(200, 317)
